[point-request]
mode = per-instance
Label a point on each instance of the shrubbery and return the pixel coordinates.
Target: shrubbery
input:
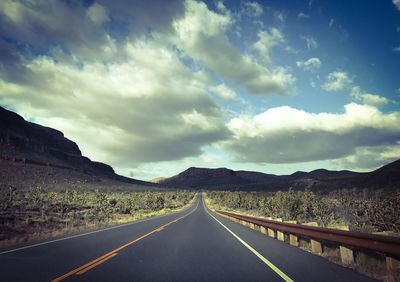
(369, 211)
(40, 211)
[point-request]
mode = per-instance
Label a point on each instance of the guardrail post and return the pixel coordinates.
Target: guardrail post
(293, 239)
(316, 246)
(251, 225)
(392, 264)
(271, 233)
(280, 235)
(263, 230)
(346, 255)
(257, 227)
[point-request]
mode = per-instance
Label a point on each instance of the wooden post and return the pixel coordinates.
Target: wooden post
(271, 233)
(346, 255)
(316, 246)
(293, 240)
(280, 235)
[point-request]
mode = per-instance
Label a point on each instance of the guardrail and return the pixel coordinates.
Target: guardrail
(347, 240)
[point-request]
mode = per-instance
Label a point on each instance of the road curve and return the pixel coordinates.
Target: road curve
(191, 245)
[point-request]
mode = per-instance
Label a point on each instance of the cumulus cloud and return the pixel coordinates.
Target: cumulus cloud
(224, 92)
(337, 81)
(267, 39)
(311, 42)
(123, 113)
(39, 24)
(201, 34)
(310, 65)
(369, 158)
(368, 98)
(288, 135)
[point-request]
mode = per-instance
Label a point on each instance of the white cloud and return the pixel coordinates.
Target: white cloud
(311, 64)
(396, 49)
(267, 39)
(337, 81)
(224, 92)
(397, 4)
(302, 15)
(123, 113)
(367, 98)
(370, 158)
(201, 34)
(253, 9)
(97, 13)
(288, 135)
(311, 43)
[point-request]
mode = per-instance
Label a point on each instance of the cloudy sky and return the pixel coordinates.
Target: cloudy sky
(154, 87)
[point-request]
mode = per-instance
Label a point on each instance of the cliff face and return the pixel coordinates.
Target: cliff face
(28, 142)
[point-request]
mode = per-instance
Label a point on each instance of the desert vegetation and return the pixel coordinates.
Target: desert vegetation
(37, 213)
(365, 211)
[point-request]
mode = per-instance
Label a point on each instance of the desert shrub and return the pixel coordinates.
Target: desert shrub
(363, 210)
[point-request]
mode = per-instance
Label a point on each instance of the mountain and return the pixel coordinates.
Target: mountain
(31, 154)
(204, 177)
(386, 177)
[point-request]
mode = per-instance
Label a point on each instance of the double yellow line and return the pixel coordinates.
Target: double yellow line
(92, 264)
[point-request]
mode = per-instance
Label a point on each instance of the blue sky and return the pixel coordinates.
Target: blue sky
(154, 87)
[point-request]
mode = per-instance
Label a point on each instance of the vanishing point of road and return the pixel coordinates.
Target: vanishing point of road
(192, 245)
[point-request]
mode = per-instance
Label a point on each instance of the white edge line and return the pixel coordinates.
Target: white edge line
(260, 256)
(88, 233)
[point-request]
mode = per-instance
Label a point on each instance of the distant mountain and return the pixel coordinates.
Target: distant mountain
(387, 177)
(204, 177)
(29, 151)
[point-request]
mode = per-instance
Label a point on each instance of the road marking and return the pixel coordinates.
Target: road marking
(260, 256)
(87, 233)
(92, 264)
(83, 271)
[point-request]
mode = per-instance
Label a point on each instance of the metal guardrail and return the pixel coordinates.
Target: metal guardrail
(372, 242)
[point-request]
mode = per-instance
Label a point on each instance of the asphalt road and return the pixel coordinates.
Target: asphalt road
(192, 245)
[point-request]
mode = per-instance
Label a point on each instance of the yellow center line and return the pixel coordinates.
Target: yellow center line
(254, 251)
(96, 264)
(88, 266)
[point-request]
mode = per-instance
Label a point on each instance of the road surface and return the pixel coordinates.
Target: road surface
(191, 245)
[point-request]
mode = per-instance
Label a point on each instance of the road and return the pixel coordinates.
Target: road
(191, 245)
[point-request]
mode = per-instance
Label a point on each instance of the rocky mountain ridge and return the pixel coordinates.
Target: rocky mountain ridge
(29, 143)
(386, 177)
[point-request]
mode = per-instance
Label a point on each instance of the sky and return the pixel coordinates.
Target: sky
(154, 87)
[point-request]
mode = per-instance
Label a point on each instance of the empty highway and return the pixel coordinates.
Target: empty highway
(191, 245)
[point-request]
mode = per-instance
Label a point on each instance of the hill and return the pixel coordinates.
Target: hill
(33, 155)
(386, 177)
